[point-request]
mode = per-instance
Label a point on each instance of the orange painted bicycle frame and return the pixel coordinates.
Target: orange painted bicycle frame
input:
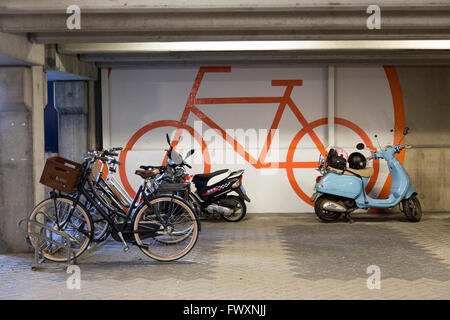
(284, 101)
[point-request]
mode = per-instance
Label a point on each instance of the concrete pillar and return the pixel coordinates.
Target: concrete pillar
(71, 102)
(92, 124)
(39, 96)
(21, 150)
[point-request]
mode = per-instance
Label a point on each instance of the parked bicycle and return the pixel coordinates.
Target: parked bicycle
(164, 227)
(109, 189)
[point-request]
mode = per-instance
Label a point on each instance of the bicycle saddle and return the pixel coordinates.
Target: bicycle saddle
(204, 178)
(152, 167)
(145, 174)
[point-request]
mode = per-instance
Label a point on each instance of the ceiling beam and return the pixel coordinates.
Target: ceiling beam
(141, 6)
(299, 20)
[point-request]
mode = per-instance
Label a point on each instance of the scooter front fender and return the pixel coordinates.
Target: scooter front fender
(315, 196)
(410, 192)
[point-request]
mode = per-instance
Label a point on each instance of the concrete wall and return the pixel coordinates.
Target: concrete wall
(362, 96)
(426, 96)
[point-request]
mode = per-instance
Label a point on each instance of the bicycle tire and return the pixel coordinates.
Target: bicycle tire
(80, 207)
(139, 235)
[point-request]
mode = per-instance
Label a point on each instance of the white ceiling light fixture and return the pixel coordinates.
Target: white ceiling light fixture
(272, 45)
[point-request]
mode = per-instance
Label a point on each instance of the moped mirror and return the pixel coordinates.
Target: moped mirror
(405, 131)
(360, 146)
(190, 152)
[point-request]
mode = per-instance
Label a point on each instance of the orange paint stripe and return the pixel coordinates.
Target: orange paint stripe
(277, 118)
(236, 145)
(237, 100)
(287, 83)
(272, 131)
(399, 120)
(305, 164)
(305, 124)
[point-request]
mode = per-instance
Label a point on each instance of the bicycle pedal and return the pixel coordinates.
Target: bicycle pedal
(126, 249)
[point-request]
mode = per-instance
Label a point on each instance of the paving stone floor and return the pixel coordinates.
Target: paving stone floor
(265, 256)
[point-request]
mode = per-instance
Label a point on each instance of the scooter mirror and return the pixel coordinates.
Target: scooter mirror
(360, 146)
(405, 131)
(190, 152)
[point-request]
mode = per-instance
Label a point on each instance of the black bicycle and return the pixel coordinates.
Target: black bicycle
(164, 227)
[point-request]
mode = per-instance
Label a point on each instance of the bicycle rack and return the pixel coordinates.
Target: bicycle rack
(42, 238)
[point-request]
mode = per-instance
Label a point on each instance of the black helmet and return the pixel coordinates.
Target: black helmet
(336, 161)
(357, 160)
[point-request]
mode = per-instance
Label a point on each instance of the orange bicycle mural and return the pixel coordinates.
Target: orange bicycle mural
(284, 102)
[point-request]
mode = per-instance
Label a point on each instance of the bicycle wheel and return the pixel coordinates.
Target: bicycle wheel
(78, 227)
(166, 229)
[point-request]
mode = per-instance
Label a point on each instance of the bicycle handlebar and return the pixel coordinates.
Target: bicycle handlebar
(108, 153)
(104, 159)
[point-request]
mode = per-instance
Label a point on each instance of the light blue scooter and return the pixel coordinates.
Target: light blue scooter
(339, 192)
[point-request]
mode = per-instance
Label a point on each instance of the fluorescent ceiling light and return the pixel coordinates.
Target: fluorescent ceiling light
(287, 45)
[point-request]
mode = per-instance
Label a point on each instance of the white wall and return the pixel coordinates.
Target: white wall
(139, 97)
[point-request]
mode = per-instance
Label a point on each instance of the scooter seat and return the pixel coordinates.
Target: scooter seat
(206, 178)
(365, 173)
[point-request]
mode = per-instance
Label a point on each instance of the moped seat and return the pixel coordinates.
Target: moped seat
(173, 187)
(206, 178)
(365, 173)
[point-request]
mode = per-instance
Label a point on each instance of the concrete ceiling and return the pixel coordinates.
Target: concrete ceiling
(124, 21)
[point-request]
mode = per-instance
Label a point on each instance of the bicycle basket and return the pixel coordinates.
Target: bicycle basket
(60, 174)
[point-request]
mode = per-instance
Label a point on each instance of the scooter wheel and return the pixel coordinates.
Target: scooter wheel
(412, 209)
(239, 211)
(324, 215)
